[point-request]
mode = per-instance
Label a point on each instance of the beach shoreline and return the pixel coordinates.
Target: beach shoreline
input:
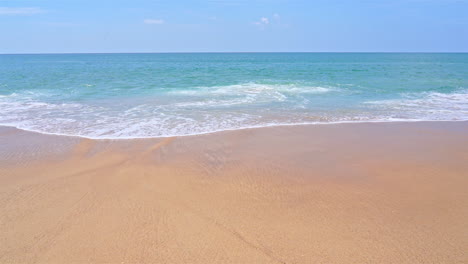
(361, 193)
(280, 125)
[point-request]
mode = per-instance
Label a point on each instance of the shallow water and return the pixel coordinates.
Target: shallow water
(153, 95)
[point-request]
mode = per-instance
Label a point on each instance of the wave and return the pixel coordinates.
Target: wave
(428, 105)
(247, 94)
(8, 95)
(254, 88)
(221, 108)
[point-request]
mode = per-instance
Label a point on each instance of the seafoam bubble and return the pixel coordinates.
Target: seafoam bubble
(252, 88)
(245, 94)
(227, 109)
(427, 105)
(216, 103)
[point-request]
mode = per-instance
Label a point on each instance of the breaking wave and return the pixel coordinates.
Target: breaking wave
(203, 110)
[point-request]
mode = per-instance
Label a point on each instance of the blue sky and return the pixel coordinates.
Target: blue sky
(56, 26)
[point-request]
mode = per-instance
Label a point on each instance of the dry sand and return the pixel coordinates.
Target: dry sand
(349, 193)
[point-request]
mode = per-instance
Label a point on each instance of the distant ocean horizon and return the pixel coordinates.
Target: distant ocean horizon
(232, 52)
(141, 95)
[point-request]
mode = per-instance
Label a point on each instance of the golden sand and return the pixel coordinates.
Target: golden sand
(350, 193)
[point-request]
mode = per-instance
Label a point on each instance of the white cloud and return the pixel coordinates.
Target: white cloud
(262, 22)
(20, 10)
(154, 21)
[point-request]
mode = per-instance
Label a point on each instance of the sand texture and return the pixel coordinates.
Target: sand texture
(348, 193)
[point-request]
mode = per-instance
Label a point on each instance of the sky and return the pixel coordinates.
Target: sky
(93, 26)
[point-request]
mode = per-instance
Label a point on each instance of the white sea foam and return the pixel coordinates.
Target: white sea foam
(427, 106)
(246, 94)
(255, 88)
(217, 103)
(223, 108)
(8, 95)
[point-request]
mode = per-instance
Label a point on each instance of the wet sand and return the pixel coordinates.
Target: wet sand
(348, 193)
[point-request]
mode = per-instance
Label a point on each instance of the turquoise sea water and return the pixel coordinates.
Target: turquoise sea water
(153, 95)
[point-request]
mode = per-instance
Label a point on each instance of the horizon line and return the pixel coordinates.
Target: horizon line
(219, 52)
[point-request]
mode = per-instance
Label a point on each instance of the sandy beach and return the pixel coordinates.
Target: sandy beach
(344, 193)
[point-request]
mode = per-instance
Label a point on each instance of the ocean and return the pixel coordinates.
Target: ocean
(177, 94)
